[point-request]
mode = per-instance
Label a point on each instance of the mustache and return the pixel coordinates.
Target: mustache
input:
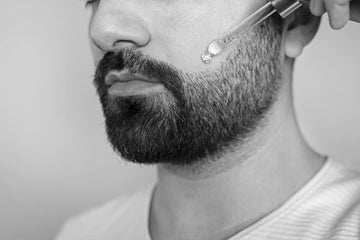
(136, 62)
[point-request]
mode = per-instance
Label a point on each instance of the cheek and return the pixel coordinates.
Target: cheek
(186, 35)
(187, 40)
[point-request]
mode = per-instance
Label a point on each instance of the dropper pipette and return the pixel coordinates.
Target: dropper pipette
(282, 7)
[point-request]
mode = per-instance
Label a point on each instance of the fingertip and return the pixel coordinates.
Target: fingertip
(336, 25)
(319, 13)
(317, 8)
(338, 12)
(338, 21)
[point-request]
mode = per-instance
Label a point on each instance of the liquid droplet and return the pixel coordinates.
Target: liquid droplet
(207, 57)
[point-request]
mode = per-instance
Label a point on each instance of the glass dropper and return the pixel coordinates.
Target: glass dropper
(282, 7)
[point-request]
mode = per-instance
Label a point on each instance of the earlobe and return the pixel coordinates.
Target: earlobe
(300, 30)
(294, 44)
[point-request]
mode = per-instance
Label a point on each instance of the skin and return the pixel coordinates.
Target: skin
(218, 200)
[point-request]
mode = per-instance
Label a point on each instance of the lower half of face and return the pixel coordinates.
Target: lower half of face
(196, 116)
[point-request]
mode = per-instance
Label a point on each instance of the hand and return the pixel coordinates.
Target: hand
(339, 11)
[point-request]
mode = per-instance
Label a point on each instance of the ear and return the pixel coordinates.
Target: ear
(300, 29)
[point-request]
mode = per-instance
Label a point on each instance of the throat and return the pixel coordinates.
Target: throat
(219, 207)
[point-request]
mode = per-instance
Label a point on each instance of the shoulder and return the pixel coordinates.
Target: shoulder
(94, 223)
(339, 189)
(343, 205)
(327, 207)
(335, 204)
(343, 183)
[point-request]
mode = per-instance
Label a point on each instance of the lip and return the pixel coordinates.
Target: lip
(125, 76)
(123, 83)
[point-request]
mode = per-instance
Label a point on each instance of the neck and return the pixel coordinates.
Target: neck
(217, 200)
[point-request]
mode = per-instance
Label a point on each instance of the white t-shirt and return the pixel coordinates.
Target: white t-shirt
(327, 207)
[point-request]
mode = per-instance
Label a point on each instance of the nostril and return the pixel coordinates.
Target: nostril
(123, 44)
(98, 46)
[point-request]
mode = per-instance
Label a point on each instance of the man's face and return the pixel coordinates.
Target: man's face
(187, 111)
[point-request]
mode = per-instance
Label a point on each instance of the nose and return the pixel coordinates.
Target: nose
(112, 29)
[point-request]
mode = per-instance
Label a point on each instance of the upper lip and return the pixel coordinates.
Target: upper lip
(125, 76)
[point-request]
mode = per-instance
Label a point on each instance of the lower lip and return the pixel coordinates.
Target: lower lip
(134, 87)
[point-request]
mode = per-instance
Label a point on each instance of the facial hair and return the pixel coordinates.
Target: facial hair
(200, 115)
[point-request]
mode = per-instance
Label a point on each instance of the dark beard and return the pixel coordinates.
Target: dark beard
(200, 115)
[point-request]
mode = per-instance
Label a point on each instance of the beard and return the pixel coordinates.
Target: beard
(200, 116)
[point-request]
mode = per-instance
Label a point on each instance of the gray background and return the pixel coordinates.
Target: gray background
(55, 160)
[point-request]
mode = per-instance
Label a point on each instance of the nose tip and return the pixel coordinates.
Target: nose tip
(112, 31)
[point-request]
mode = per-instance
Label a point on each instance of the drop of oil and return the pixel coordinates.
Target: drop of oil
(207, 57)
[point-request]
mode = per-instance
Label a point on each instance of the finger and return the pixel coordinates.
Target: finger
(338, 11)
(355, 11)
(317, 7)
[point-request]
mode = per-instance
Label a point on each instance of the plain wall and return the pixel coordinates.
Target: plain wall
(55, 160)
